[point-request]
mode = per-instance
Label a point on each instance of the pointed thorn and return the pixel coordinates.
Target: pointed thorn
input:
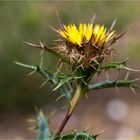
(59, 98)
(54, 29)
(129, 69)
(31, 120)
(133, 90)
(43, 84)
(135, 80)
(88, 128)
(112, 25)
(136, 86)
(119, 36)
(99, 133)
(127, 75)
(125, 60)
(93, 18)
(43, 48)
(59, 21)
(31, 44)
(31, 73)
(41, 61)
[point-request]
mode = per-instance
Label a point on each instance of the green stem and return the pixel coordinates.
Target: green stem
(74, 102)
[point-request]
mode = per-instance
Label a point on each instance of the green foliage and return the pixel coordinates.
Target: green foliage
(116, 65)
(114, 83)
(44, 132)
(60, 82)
(85, 135)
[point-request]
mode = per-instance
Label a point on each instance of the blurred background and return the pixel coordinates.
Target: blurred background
(116, 111)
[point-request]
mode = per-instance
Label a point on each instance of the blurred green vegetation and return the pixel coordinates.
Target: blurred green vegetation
(31, 21)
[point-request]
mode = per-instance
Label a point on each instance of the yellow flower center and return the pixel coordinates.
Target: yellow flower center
(83, 33)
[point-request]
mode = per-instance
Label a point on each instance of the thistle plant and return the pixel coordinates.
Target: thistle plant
(85, 49)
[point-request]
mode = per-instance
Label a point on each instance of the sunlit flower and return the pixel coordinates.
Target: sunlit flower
(86, 45)
(83, 33)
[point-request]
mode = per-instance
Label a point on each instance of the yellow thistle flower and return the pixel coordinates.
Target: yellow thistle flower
(86, 45)
(83, 33)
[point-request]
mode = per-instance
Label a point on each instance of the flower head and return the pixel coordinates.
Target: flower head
(83, 33)
(86, 44)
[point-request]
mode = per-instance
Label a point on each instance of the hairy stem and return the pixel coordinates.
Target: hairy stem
(74, 102)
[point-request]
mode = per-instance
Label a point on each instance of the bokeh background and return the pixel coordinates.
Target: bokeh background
(116, 111)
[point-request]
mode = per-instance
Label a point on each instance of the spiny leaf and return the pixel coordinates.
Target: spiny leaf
(85, 135)
(114, 83)
(61, 82)
(44, 131)
(66, 91)
(116, 65)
